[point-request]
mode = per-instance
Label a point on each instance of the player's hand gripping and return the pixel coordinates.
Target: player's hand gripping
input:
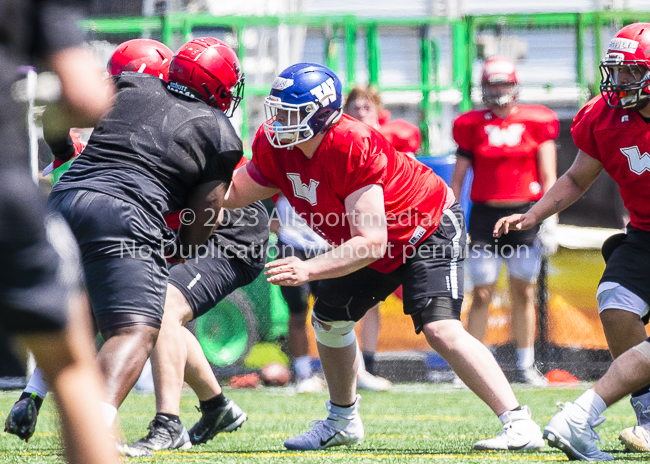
(289, 271)
(515, 222)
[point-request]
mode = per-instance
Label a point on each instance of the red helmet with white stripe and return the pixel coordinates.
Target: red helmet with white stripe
(141, 55)
(625, 69)
(499, 82)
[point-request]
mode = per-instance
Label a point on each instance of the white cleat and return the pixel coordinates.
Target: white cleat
(367, 381)
(570, 431)
(313, 384)
(520, 433)
(343, 427)
(458, 384)
(636, 439)
(531, 376)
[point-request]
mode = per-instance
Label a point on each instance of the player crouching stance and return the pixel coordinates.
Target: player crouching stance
(351, 186)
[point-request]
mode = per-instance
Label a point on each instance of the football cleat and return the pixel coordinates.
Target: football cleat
(22, 418)
(520, 433)
(128, 452)
(367, 381)
(164, 434)
(227, 418)
(636, 439)
(570, 431)
(313, 384)
(343, 426)
(531, 376)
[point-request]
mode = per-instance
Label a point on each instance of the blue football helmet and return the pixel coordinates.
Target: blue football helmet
(305, 99)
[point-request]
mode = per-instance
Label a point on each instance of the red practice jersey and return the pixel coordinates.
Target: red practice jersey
(620, 139)
(351, 156)
(504, 151)
(403, 135)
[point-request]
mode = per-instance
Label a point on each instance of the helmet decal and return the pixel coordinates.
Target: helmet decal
(625, 69)
(305, 100)
(207, 69)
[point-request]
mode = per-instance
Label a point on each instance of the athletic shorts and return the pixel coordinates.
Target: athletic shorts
(431, 279)
(122, 257)
(481, 225)
(628, 270)
(296, 297)
(207, 280)
(483, 266)
(40, 261)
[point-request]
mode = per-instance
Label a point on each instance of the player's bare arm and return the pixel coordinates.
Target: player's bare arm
(367, 219)
(457, 179)
(547, 164)
(566, 191)
(244, 190)
(204, 207)
(79, 78)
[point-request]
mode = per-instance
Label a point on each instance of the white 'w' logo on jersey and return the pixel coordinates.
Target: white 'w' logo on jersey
(510, 136)
(325, 92)
(639, 163)
(301, 190)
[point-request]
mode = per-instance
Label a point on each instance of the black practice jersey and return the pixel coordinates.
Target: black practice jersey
(154, 147)
(244, 233)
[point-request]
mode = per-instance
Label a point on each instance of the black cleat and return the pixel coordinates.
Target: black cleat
(21, 420)
(227, 418)
(163, 434)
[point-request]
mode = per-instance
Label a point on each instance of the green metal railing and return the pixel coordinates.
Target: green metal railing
(347, 28)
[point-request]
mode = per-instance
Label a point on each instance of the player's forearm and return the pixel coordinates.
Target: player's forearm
(354, 254)
(559, 197)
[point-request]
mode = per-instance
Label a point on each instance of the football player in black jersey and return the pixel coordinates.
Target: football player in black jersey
(236, 254)
(162, 148)
(41, 297)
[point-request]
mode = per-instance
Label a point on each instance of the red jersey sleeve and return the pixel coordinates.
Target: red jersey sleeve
(367, 163)
(463, 132)
(544, 124)
(583, 130)
(260, 167)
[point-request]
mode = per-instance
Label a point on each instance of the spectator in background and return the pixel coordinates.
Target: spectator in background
(511, 149)
(364, 104)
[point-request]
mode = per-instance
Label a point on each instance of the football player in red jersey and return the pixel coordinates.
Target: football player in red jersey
(391, 222)
(364, 104)
(511, 149)
(611, 132)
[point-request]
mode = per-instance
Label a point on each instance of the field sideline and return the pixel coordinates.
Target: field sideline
(414, 423)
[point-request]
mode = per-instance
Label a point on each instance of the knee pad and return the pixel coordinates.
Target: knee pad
(643, 348)
(335, 334)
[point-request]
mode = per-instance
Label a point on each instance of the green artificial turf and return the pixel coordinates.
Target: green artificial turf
(411, 424)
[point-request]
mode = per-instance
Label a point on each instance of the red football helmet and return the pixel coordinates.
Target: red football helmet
(499, 71)
(625, 70)
(209, 70)
(141, 55)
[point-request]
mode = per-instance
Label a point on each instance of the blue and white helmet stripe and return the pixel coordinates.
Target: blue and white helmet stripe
(305, 100)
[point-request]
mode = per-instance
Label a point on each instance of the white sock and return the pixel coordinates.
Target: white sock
(592, 403)
(525, 357)
(108, 412)
(302, 366)
(37, 384)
